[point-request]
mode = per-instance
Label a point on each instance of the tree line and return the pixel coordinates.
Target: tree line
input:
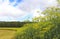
(12, 24)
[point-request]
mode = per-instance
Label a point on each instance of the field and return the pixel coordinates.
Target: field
(7, 33)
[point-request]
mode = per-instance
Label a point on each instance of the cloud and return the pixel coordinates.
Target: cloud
(24, 9)
(47, 3)
(36, 12)
(8, 10)
(7, 18)
(33, 5)
(29, 5)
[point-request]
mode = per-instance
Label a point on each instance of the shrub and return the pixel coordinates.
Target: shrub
(41, 30)
(29, 32)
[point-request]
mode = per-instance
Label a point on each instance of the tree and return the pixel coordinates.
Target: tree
(52, 15)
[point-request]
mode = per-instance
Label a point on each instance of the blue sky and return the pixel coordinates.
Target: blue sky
(18, 10)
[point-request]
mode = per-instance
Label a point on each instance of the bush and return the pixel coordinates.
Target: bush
(41, 30)
(29, 32)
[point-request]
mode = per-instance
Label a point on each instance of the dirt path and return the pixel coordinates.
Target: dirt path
(7, 34)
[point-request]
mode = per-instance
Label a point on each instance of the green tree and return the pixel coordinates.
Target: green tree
(52, 15)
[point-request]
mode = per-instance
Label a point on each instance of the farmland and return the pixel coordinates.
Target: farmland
(7, 33)
(8, 30)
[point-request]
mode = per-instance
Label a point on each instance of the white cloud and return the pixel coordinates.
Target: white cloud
(36, 12)
(6, 18)
(33, 5)
(29, 5)
(6, 9)
(8, 12)
(23, 9)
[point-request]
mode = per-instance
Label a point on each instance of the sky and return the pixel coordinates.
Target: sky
(19, 10)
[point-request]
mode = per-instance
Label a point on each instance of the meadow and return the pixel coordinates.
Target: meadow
(7, 33)
(9, 29)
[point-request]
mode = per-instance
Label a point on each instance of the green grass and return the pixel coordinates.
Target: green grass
(4, 28)
(7, 33)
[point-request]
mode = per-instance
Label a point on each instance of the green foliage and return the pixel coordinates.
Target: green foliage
(53, 15)
(29, 32)
(34, 30)
(47, 27)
